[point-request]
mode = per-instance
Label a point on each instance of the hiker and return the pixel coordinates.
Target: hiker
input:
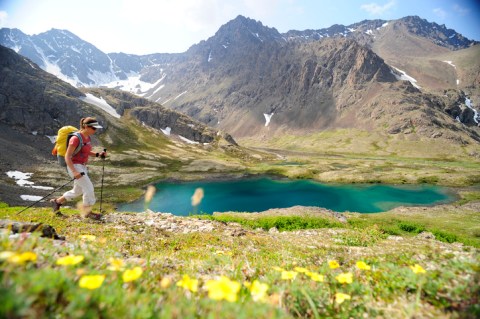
(77, 169)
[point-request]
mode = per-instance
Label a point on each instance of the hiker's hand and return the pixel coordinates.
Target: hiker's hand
(78, 175)
(103, 154)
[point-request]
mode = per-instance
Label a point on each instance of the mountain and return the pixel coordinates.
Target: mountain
(406, 76)
(75, 61)
(251, 81)
(34, 102)
(368, 31)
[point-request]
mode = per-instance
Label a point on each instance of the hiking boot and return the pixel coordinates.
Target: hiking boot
(59, 214)
(55, 206)
(94, 216)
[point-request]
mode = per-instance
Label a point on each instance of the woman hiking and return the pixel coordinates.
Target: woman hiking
(77, 169)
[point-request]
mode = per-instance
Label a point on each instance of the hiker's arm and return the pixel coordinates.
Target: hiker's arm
(68, 160)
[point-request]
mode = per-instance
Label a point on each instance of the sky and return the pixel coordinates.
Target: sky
(172, 26)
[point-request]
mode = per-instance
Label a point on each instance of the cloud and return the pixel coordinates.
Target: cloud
(376, 9)
(439, 12)
(460, 10)
(3, 18)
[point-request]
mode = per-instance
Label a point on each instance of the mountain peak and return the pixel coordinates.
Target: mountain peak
(438, 34)
(242, 26)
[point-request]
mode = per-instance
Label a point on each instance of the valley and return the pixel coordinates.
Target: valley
(377, 103)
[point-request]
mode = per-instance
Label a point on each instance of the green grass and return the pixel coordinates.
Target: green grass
(390, 289)
(282, 223)
(42, 288)
(447, 226)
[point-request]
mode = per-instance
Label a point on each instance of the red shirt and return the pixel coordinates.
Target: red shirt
(82, 156)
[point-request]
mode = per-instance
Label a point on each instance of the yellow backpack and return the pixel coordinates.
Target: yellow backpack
(61, 144)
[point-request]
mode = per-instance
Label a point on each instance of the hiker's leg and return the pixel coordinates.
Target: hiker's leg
(78, 184)
(89, 200)
(88, 191)
(88, 195)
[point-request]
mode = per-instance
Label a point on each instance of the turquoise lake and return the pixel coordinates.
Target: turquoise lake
(256, 195)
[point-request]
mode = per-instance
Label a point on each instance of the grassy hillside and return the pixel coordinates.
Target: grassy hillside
(344, 156)
(310, 266)
(417, 262)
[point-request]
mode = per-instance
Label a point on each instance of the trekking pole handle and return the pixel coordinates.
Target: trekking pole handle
(81, 174)
(104, 150)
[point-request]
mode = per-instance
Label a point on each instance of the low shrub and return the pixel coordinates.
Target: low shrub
(444, 236)
(282, 223)
(411, 227)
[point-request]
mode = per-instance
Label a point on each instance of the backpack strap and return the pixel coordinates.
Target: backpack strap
(80, 144)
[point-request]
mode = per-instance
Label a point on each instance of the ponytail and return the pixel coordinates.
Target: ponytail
(81, 123)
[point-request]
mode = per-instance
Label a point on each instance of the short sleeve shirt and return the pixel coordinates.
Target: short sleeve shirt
(82, 156)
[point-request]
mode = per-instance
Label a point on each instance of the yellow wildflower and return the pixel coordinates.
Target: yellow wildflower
(132, 274)
(70, 260)
(315, 276)
(116, 264)
(345, 278)
(363, 266)
(91, 282)
(418, 269)
(301, 270)
(289, 275)
(278, 268)
(87, 237)
(223, 288)
(22, 258)
(188, 283)
(165, 282)
(333, 264)
(258, 290)
(339, 297)
(225, 253)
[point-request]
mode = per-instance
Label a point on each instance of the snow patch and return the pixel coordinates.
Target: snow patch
(451, 63)
(52, 139)
(31, 198)
(406, 77)
(476, 115)
(101, 103)
(187, 140)
(166, 131)
(22, 179)
(180, 95)
(268, 117)
(134, 85)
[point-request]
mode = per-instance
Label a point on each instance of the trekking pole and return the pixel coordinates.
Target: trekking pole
(101, 189)
(56, 189)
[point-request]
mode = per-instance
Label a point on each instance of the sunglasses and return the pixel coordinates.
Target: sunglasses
(93, 128)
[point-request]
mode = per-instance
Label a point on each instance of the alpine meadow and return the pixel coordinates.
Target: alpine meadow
(375, 103)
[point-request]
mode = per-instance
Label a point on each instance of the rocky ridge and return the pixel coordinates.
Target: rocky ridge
(302, 81)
